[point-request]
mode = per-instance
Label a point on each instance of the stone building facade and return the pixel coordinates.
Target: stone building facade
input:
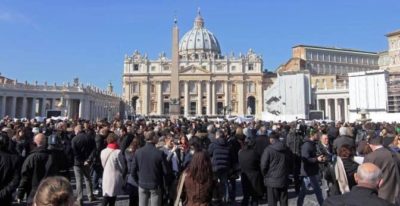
(198, 78)
(24, 100)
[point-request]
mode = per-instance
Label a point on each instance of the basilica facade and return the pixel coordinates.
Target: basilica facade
(197, 77)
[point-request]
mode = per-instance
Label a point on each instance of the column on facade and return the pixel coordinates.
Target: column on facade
(24, 106)
(240, 100)
(318, 106)
(159, 98)
(145, 101)
(33, 106)
(227, 94)
(327, 110)
(213, 98)
(346, 110)
(3, 106)
(199, 98)
(81, 108)
(13, 106)
(67, 109)
(336, 106)
(209, 97)
(43, 106)
(186, 98)
(259, 99)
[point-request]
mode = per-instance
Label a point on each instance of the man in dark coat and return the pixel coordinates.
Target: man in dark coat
(310, 168)
(219, 152)
(294, 140)
(148, 170)
(34, 169)
(83, 148)
(368, 179)
(9, 165)
(388, 163)
(261, 141)
(275, 168)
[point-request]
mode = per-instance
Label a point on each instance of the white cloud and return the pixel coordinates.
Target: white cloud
(15, 17)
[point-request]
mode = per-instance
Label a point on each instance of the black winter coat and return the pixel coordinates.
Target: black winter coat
(358, 196)
(10, 164)
(83, 147)
(249, 162)
(275, 165)
(219, 152)
(33, 171)
(309, 162)
(342, 140)
(261, 142)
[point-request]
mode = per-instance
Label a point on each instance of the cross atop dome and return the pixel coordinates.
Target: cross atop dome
(198, 21)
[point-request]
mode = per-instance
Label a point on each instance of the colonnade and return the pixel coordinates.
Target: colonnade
(335, 108)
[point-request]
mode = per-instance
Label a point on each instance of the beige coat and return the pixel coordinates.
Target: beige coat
(112, 173)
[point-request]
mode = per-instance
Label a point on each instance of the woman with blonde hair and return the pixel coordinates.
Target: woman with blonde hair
(54, 191)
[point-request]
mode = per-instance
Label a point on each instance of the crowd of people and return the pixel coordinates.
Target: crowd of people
(198, 162)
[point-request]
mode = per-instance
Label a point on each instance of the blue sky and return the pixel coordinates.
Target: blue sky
(55, 41)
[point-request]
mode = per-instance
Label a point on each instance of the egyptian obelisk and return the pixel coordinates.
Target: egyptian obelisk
(174, 105)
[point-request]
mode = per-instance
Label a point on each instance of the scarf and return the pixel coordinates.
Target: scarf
(113, 146)
(341, 176)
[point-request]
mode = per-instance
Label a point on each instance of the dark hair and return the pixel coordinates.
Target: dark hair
(274, 135)
(54, 191)
(4, 141)
(111, 138)
(200, 168)
(345, 151)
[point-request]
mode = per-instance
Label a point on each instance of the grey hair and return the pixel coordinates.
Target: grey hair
(369, 175)
(210, 128)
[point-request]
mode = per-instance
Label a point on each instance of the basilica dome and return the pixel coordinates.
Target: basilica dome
(199, 41)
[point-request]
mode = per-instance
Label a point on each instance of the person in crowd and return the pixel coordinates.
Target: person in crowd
(60, 165)
(131, 186)
(294, 140)
(9, 165)
(333, 132)
(198, 182)
(369, 179)
(344, 138)
(388, 163)
(148, 170)
(251, 177)
(395, 145)
(275, 163)
(234, 172)
(83, 148)
(34, 169)
(54, 191)
(340, 174)
(112, 174)
(97, 169)
(310, 168)
(261, 141)
(220, 154)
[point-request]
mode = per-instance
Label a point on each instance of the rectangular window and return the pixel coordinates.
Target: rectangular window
(219, 68)
(153, 68)
(135, 87)
(233, 68)
(136, 67)
(251, 67)
(166, 68)
(166, 87)
(192, 87)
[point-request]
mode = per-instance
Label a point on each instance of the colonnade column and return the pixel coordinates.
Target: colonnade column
(159, 98)
(24, 105)
(327, 109)
(209, 97)
(318, 106)
(43, 106)
(186, 99)
(240, 100)
(33, 111)
(227, 94)
(13, 106)
(199, 98)
(336, 106)
(213, 99)
(81, 108)
(346, 110)
(3, 106)
(145, 103)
